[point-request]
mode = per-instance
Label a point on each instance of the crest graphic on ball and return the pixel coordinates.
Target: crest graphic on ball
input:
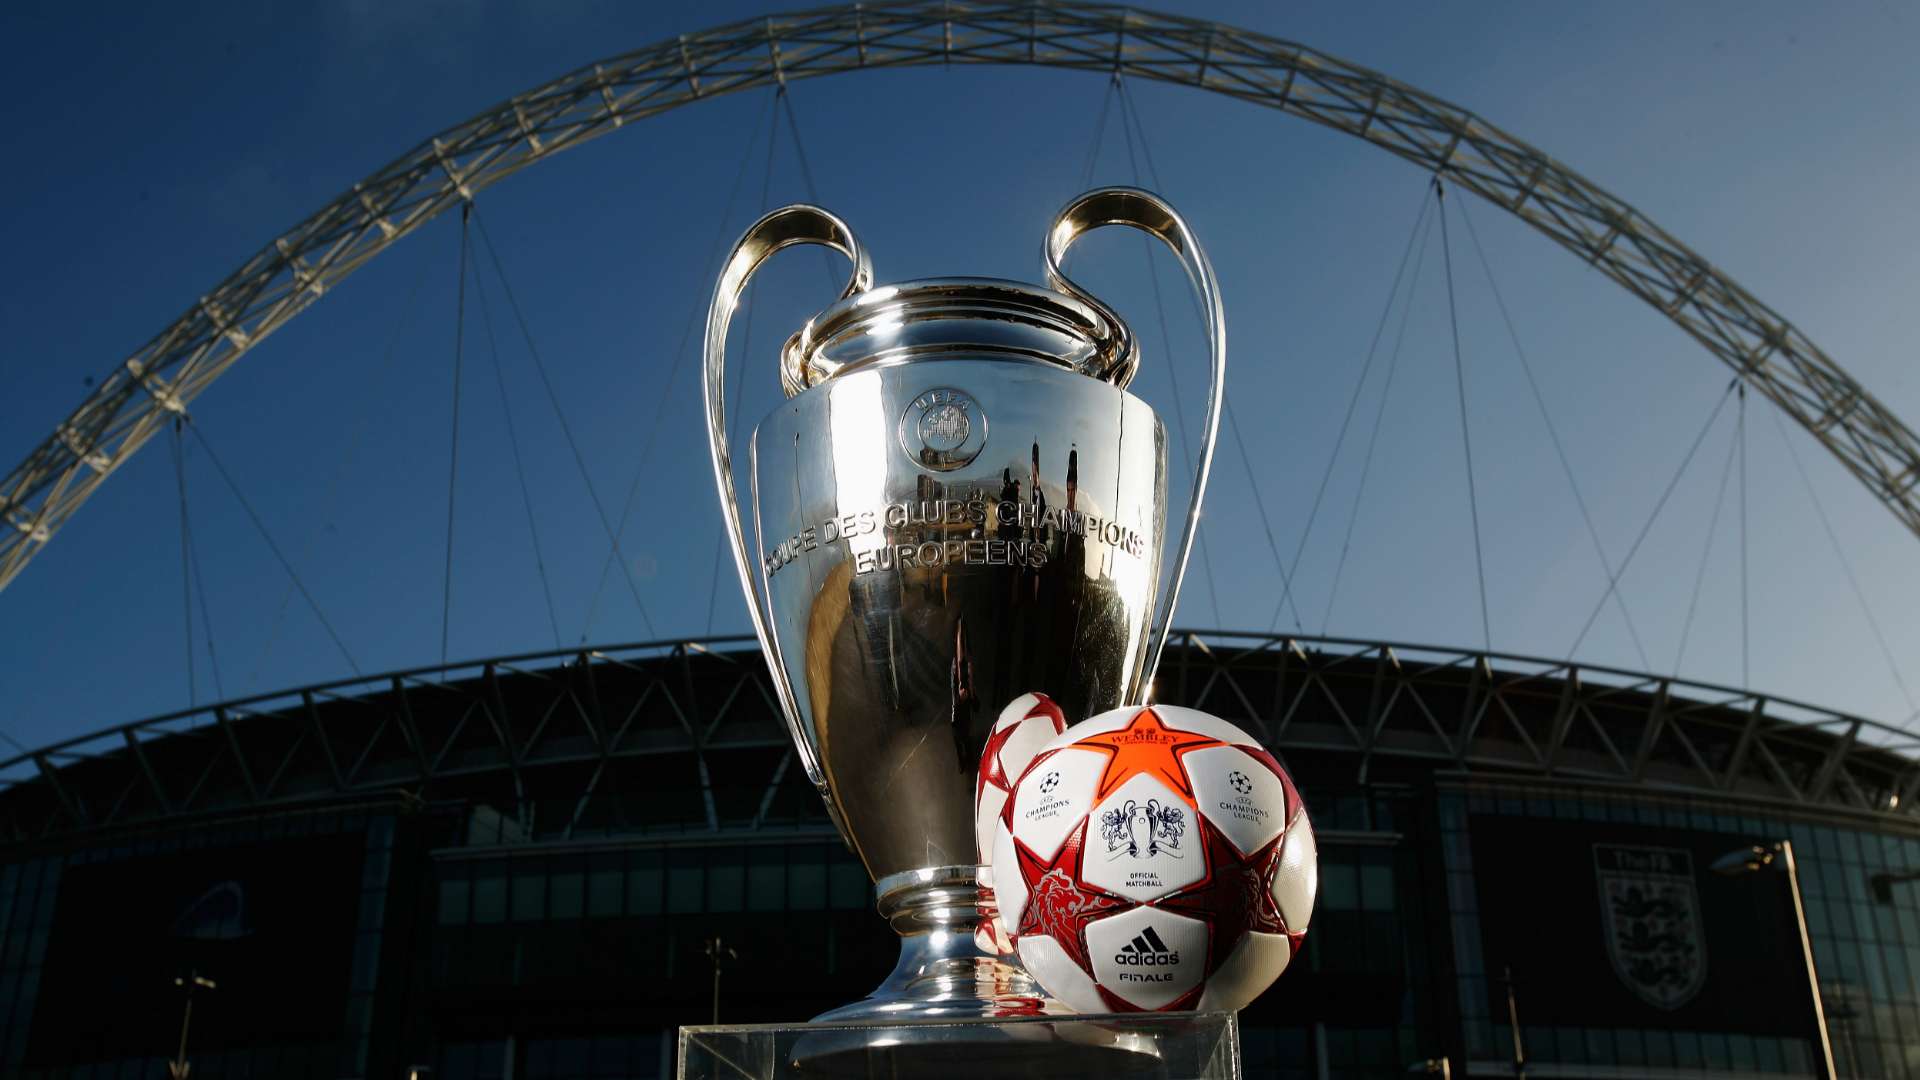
(1154, 858)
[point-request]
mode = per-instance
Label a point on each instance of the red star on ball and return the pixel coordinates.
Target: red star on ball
(1147, 745)
(1233, 894)
(1058, 905)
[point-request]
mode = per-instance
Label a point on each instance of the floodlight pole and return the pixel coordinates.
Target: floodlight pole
(178, 1068)
(1513, 1020)
(719, 953)
(1752, 859)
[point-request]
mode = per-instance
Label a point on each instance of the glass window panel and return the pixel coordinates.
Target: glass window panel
(373, 868)
(767, 886)
(567, 889)
(1659, 1048)
(807, 886)
(570, 1057)
(1376, 888)
(490, 894)
(1768, 1052)
(1629, 1047)
(605, 888)
(610, 1057)
(373, 909)
(726, 883)
(850, 887)
(1340, 885)
(1599, 1046)
(646, 882)
(529, 891)
(366, 962)
(1686, 1050)
(454, 894)
(686, 887)
(1741, 1052)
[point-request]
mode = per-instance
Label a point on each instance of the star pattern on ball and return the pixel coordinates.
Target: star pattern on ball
(1234, 892)
(992, 769)
(1147, 745)
(1058, 905)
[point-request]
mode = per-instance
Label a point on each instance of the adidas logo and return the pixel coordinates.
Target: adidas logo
(1146, 950)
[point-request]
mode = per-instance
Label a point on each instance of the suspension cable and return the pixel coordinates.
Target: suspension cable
(673, 373)
(1129, 114)
(1346, 422)
(1613, 579)
(453, 455)
(513, 443)
(1700, 574)
(186, 571)
(566, 429)
(199, 578)
(1740, 433)
(1553, 432)
(280, 556)
(1379, 418)
(1853, 582)
(1100, 132)
(330, 499)
(746, 352)
(806, 175)
(1466, 439)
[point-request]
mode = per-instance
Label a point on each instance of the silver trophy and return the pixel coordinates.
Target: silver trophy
(958, 503)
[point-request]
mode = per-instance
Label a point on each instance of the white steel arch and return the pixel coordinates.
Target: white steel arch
(134, 402)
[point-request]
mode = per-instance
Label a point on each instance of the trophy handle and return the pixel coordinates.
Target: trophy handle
(785, 227)
(1149, 213)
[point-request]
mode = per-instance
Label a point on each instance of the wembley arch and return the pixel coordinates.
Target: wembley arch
(292, 271)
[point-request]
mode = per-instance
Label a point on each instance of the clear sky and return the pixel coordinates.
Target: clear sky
(151, 150)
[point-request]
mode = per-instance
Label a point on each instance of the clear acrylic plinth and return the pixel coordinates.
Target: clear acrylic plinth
(1159, 1046)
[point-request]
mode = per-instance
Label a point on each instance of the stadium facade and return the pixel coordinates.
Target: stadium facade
(513, 869)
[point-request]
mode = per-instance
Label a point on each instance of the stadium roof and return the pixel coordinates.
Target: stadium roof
(684, 737)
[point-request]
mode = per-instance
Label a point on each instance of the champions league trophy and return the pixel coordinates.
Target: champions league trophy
(958, 503)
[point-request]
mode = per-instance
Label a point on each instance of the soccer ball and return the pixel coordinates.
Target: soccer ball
(1023, 727)
(1155, 858)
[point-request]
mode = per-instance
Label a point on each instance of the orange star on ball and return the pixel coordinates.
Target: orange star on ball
(1147, 745)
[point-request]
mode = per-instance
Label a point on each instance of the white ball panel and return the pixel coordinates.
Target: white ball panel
(1247, 971)
(1240, 795)
(1146, 956)
(986, 818)
(1009, 887)
(1016, 711)
(1296, 879)
(1142, 842)
(1053, 798)
(1058, 975)
(1029, 735)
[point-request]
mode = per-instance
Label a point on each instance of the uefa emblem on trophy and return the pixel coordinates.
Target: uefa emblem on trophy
(959, 504)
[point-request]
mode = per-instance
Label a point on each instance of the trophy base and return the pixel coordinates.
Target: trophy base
(915, 1023)
(1150, 1046)
(945, 970)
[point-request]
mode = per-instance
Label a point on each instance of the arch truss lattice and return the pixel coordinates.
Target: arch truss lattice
(145, 391)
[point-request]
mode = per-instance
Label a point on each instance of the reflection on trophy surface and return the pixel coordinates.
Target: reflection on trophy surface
(958, 503)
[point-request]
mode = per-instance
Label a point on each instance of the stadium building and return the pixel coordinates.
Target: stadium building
(514, 869)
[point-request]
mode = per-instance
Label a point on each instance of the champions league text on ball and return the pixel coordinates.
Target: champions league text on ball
(959, 521)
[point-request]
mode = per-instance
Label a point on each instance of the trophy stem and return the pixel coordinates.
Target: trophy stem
(943, 971)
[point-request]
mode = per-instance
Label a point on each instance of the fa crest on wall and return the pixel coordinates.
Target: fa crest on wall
(1650, 914)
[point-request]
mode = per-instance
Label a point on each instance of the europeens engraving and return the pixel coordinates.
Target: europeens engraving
(916, 533)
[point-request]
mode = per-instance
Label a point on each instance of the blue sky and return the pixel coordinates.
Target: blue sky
(151, 151)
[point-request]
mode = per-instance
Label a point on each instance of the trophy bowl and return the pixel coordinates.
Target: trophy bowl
(959, 502)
